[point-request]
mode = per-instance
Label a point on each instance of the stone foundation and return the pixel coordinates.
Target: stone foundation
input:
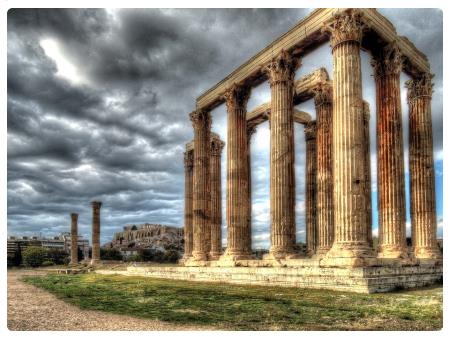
(302, 274)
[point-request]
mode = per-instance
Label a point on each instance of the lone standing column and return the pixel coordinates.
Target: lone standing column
(201, 121)
(237, 175)
(251, 129)
(367, 170)
(281, 72)
(74, 239)
(350, 246)
(323, 100)
(188, 187)
(216, 197)
(391, 170)
(421, 166)
(95, 231)
(310, 182)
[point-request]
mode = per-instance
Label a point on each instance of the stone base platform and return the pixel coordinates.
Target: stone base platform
(309, 275)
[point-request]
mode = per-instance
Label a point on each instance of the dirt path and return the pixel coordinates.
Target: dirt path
(30, 308)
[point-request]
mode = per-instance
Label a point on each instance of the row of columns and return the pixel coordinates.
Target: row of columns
(338, 184)
(96, 205)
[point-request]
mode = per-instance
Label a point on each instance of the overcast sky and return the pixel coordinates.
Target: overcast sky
(98, 104)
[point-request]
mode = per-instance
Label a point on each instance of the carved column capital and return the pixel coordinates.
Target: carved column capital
(201, 119)
(389, 61)
(217, 146)
(323, 94)
(96, 204)
(346, 26)
(189, 159)
(282, 68)
(74, 216)
(236, 96)
(310, 131)
(420, 87)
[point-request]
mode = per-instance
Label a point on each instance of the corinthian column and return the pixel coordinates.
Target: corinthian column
(367, 171)
(323, 100)
(201, 121)
(310, 183)
(281, 71)
(391, 173)
(216, 197)
(188, 190)
(350, 245)
(95, 231)
(74, 238)
(251, 129)
(237, 175)
(421, 167)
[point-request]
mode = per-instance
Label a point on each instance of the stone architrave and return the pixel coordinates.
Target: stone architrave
(310, 183)
(238, 239)
(188, 191)
(421, 167)
(367, 170)
(350, 247)
(281, 72)
(216, 197)
(323, 99)
(201, 223)
(96, 205)
(390, 163)
(74, 238)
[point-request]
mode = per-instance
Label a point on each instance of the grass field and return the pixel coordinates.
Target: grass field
(234, 307)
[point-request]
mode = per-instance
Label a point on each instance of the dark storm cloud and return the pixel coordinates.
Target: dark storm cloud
(117, 131)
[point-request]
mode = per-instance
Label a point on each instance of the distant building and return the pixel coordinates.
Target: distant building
(61, 242)
(147, 236)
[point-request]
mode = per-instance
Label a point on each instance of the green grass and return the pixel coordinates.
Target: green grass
(235, 307)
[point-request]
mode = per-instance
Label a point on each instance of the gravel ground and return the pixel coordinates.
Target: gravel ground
(30, 308)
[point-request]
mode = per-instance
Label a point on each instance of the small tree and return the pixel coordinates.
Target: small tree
(34, 256)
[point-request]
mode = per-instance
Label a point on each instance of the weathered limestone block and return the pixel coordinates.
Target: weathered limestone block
(281, 71)
(95, 231)
(74, 238)
(310, 182)
(238, 222)
(421, 166)
(391, 174)
(201, 121)
(323, 99)
(216, 196)
(350, 246)
(188, 190)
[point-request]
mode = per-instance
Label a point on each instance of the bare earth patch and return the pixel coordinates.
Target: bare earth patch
(31, 308)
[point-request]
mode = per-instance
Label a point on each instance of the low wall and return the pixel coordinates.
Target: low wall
(361, 280)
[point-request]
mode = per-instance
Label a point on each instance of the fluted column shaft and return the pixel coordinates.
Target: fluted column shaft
(323, 99)
(96, 205)
(281, 71)
(188, 191)
(390, 162)
(367, 171)
(216, 197)
(238, 240)
(349, 199)
(74, 238)
(251, 129)
(310, 183)
(421, 167)
(201, 121)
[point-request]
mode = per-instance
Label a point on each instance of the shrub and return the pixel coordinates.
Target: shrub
(171, 256)
(57, 256)
(34, 256)
(15, 259)
(47, 263)
(110, 254)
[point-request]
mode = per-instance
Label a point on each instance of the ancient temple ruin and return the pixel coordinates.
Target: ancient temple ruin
(338, 194)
